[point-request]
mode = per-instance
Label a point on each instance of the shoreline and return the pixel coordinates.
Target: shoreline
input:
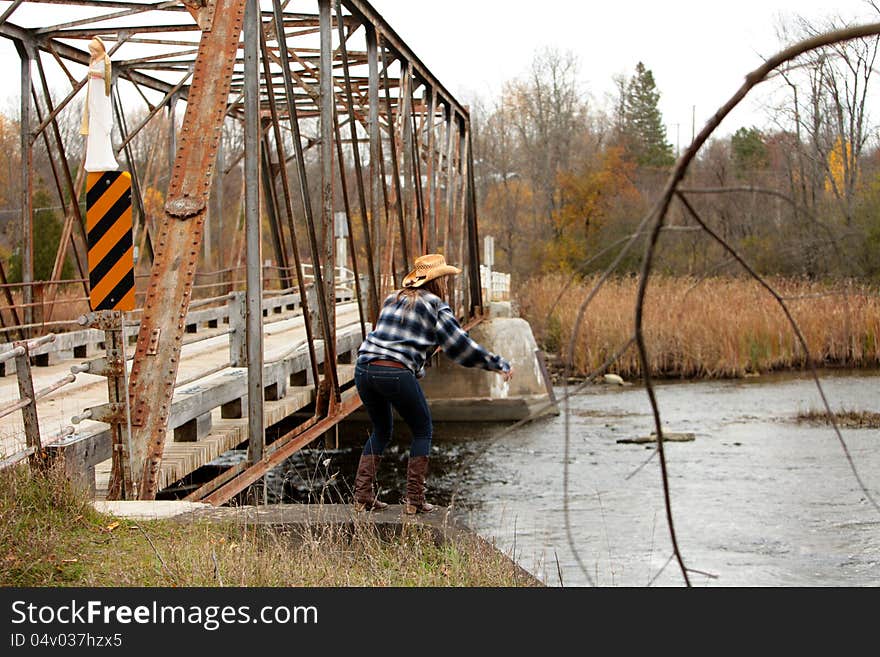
(557, 373)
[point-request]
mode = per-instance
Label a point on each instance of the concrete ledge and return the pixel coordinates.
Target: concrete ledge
(491, 410)
(302, 518)
(297, 519)
(152, 510)
(479, 409)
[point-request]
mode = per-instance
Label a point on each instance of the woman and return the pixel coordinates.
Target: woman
(97, 121)
(413, 322)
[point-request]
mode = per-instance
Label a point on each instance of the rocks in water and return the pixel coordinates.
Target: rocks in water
(668, 437)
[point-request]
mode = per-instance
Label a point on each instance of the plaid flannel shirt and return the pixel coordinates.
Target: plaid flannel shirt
(408, 333)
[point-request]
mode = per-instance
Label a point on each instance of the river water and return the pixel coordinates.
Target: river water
(758, 499)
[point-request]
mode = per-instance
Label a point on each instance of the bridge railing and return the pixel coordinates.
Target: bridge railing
(495, 284)
(204, 312)
(27, 402)
(58, 304)
(90, 442)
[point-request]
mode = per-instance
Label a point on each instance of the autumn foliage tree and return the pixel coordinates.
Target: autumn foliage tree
(592, 193)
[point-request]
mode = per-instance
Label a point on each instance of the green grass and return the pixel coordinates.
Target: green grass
(50, 535)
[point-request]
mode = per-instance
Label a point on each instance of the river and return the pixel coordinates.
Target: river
(758, 499)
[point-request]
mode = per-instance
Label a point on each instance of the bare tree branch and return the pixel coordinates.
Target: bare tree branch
(658, 214)
(797, 331)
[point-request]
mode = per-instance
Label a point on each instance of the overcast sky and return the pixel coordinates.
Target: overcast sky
(699, 51)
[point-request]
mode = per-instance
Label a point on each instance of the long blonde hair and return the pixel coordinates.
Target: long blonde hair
(108, 67)
(436, 286)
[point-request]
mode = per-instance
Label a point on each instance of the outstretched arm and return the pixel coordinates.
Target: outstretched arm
(459, 346)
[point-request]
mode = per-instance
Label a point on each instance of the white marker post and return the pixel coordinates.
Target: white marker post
(489, 261)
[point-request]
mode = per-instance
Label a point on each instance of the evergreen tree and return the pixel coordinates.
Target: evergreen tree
(47, 235)
(749, 151)
(644, 132)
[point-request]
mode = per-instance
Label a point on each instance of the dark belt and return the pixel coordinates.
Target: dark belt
(388, 363)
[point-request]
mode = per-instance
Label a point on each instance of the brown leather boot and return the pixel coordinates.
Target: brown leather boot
(365, 498)
(416, 472)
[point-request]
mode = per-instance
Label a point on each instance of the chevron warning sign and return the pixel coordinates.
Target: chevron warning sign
(111, 257)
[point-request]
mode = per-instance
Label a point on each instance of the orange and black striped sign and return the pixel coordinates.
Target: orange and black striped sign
(111, 256)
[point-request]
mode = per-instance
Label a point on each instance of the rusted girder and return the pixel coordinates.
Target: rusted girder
(177, 246)
(366, 11)
(281, 450)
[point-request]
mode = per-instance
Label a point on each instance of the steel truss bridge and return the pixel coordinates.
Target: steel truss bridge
(338, 118)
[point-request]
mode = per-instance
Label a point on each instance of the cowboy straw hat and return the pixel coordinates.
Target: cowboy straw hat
(427, 268)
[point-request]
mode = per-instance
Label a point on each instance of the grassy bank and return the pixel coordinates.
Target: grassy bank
(51, 536)
(721, 327)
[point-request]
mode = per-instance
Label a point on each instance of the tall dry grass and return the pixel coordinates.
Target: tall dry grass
(65, 303)
(719, 327)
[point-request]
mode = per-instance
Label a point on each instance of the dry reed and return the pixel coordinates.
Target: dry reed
(717, 327)
(847, 418)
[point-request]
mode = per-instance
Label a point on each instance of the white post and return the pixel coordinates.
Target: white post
(340, 231)
(489, 261)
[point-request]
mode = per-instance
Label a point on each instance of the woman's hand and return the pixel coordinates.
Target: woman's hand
(508, 375)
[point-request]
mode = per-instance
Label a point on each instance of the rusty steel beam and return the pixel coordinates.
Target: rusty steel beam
(88, 33)
(253, 240)
(176, 249)
(268, 173)
(271, 197)
(11, 8)
(282, 449)
(450, 181)
(405, 165)
(352, 246)
(375, 144)
(460, 202)
(117, 4)
(430, 123)
(395, 170)
(327, 217)
(416, 161)
(365, 11)
(476, 291)
(75, 54)
(91, 19)
(26, 54)
(359, 180)
(330, 372)
(297, 260)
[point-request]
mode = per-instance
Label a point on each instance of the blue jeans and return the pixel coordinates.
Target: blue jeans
(382, 388)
